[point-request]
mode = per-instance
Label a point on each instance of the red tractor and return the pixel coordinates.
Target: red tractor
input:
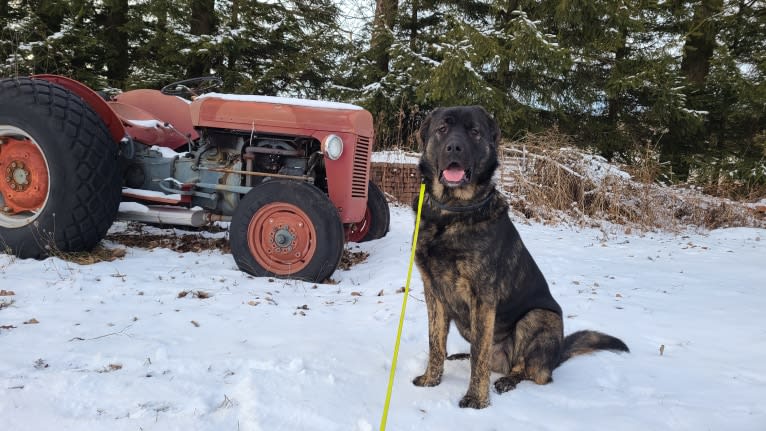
(291, 175)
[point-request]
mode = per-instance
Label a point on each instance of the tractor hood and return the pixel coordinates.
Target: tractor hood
(279, 115)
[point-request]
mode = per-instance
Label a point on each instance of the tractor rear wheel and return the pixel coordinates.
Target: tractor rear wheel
(287, 229)
(377, 217)
(59, 179)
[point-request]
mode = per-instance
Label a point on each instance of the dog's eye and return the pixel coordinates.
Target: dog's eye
(475, 132)
(442, 129)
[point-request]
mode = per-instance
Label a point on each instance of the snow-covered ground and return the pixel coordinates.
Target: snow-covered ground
(113, 346)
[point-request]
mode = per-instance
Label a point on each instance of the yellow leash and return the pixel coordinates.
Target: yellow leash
(401, 317)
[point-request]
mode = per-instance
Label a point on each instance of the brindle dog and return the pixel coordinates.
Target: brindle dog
(476, 270)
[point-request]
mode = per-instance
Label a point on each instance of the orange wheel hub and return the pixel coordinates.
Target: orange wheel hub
(281, 238)
(23, 175)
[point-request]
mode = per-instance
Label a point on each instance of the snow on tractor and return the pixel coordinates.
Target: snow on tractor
(291, 175)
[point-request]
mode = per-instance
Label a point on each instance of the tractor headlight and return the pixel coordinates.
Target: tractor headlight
(333, 147)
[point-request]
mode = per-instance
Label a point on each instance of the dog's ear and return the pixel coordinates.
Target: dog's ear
(492, 126)
(424, 131)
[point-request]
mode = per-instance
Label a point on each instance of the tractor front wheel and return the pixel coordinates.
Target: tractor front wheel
(287, 229)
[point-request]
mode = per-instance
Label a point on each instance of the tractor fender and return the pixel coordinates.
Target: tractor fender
(96, 102)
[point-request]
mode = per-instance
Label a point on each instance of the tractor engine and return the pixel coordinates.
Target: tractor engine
(223, 166)
(281, 156)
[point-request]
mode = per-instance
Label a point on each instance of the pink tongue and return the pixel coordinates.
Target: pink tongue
(453, 175)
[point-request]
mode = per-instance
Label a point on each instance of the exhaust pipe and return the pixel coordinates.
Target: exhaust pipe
(133, 211)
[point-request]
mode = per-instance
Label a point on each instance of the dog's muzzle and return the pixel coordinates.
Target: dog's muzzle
(455, 175)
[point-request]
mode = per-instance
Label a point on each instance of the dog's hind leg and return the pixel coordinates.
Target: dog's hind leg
(537, 346)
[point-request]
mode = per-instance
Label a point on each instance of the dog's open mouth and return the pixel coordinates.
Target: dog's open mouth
(455, 175)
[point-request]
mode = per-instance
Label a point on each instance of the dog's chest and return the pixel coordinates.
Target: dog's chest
(452, 249)
(455, 265)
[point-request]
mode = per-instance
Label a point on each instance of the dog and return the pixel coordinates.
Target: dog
(476, 270)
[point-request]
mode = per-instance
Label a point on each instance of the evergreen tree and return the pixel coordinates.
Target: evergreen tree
(113, 31)
(687, 76)
(161, 49)
(52, 36)
(731, 92)
(460, 52)
(386, 13)
(287, 48)
(624, 89)
(202, 27)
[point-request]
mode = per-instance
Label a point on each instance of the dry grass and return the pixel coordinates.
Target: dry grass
(351, 258)
(398, 128)
(547, 180)
(180, 243)
(98, 254)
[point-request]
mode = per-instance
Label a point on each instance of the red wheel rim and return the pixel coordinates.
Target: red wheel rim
(281, 238)
(359, 230)
(24, 179)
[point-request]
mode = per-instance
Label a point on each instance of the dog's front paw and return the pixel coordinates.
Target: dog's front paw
(474, 402)
(424, 380)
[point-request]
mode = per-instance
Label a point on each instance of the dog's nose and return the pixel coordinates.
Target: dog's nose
(453, 147)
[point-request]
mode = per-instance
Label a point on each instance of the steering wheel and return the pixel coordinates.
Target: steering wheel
(193, 87)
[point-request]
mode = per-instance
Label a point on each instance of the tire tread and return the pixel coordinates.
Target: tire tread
(92, 161)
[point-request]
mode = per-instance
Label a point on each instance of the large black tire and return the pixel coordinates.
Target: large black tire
(377, 218)
(287, 229)
(80, 168)
(380, 216)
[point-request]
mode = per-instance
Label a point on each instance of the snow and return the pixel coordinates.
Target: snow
(598, 168)
(149, 194)
(133, 207)
(395, 156)
(146, 123)
(695, 112)
(281, 101)
(116, 348)
(168, 153)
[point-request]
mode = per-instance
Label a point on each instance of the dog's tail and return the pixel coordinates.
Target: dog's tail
(583, 342)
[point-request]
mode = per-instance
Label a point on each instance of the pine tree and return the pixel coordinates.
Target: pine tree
(460, 52)
(113, 31)
(701, 41)
(202, 26)
(287, 48)
(52, 36)
(733, 96)
(722, 87)
(161, 44)
(386, 14)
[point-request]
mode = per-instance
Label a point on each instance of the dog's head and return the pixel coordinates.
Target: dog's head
(459, 146)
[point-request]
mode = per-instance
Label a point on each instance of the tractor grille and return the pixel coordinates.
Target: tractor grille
(359, 180)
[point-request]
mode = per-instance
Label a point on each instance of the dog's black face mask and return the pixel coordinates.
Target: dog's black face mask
(459, 150)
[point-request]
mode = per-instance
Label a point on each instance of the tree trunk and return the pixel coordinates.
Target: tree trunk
(115, 39)
(203, 21)
(614, 102)
(3, 11)
(51, 12)
(382, 25)
(162, 17)
(700, 42)
(229, 81)
(234, 14)
(504, 77)
(414, 24)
